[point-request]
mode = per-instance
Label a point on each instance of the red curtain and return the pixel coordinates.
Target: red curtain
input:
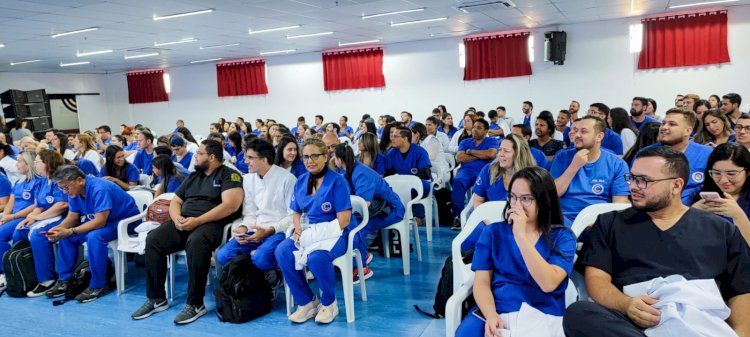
(497, 56)
(240, 78)
(684, 40)
(146, 86)
(353, 69)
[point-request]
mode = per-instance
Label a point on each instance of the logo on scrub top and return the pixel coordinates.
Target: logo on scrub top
(90, 216)
(326, 206)
(479, 181)
(26, 195)
(597, 189)
(50, 199)
(414, 170)
(698, 177)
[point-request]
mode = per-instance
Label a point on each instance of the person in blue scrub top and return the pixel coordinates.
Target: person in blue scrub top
(385, 205)
(492, 182)
(145, 153)
(524, 260)
(409, 159)
(102, 204)
(675, 132)
(473, 154)
(344, 130)
(586, 174)
(118, 170)
(728, 168)
(524, 131)
(49, 203)
(20, 203)
(167, 178)
(527, 108)
(638, 113)
(406, 119)
(322, 220)
(234, 141)
(612, 140)
(180, 153)
(287, 156)
(447, 125)
(369, 153)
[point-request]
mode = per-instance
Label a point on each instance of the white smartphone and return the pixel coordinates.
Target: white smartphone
(710, 196)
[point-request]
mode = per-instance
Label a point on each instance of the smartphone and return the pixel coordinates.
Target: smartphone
(710, 196)
(248, 233)
(478, 314)
(46, 232)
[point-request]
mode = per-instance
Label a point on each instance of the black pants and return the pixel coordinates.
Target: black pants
(199, 244)
(589, 319)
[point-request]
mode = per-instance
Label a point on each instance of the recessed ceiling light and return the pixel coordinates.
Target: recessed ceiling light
(185, 40)
(278, 52)
(74, 63)
(2, 45)
(98, 52)
(251, 32)
(207, 60)
(24, 62)
(289, 37)
(74, 32)
(179, 15)
(219, 46)
(396, 24)
(702, 3)
(129, 57)
(356, 43)
(391, 13)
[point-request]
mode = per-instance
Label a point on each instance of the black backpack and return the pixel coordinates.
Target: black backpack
(20, 275)
(242, 293)
(81, 278)
(445, 290)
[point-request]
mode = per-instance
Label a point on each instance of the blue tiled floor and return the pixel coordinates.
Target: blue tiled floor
(389, 310)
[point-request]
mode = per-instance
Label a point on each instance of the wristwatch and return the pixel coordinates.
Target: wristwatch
(73, 231)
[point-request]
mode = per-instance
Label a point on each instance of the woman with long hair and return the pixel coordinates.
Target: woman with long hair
(525, 259)
(714, 101)
(716, 129)
(729, 167)
(385, 140)
(166, 176)
(619, 121)
(447, 126)
(192, 144)
(464, 133)
(287, 156)
(118, 170)
(85, 148)
(60, 144)
(646, 136)
(700, 107)
(369, 153)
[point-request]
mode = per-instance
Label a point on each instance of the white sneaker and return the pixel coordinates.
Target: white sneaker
(3, 283)
(305, 312)
(326, 313)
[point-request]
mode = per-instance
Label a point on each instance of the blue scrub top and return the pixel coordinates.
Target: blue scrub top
(647, 120)
(102, 195)
(697, 156)
(131, 173)
(5, 187)
(185, 161)
(48, 194)
(450, 131)
(369, 184)
(379, 132)
(540, 158)
(473, 167)
(512, 284)
(612, 141)
(379, 166)
(493, 192)
(24, 193)
(410, 163)
(143, 161)
(527, 120)
(87, 167)
(298, 168)
(595, 183)
(566, 136)
(331, 197)
(173, 184)
(240, 162)
(345, 130)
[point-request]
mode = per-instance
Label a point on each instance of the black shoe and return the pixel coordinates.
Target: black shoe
(40, 290)
(90, 294)
(190, 314)
(59, 290)
(456, 224)
(149, 308)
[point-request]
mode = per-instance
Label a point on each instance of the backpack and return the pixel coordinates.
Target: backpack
(18, 264)
(158, 211)
(242, 293)
(81, 278)
(445, 291)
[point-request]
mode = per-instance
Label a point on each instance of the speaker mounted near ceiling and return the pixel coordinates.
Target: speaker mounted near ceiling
(554, 47)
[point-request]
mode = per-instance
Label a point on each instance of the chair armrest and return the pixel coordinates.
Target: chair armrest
(453, 307)
(122, 226)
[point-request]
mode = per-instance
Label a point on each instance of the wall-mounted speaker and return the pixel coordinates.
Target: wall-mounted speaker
(554, 47)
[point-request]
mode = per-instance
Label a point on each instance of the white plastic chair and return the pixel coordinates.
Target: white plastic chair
(402, 185)
(491, 211)
(344, 263)
(428, 202)
(144, 180)
(124, 242)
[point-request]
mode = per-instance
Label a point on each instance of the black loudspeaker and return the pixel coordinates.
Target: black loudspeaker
(36, 96)
(554, 47)
(17, 111)
(40, 124)
(13, 96)
(39, 109)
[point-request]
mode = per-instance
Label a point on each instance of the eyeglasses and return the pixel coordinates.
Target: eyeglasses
(641, 181)
(65, 187)
(732, 175)
(312, 157)
(525, 199)
(738, 128)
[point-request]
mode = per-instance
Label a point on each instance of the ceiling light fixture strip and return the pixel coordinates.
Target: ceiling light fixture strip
(179, 15)
(396, 24)
(370, 16)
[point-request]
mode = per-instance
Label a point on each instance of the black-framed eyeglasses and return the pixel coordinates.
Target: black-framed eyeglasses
(738, 128)
(312, 157)
(526, 199)
(732, 174)
(642, 181)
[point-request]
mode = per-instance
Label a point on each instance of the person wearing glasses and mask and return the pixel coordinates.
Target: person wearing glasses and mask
(742, 131)
(661, 267)
(522, 265)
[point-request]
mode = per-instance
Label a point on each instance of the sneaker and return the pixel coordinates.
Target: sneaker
(190, 314)
(368, 258)
(59, 289)
(456, 224)
(40, 289)
(90, 294)
(309, 276)
(149, 308)
(326, 313)
(367, 273)
(3, 283)
(305, 312)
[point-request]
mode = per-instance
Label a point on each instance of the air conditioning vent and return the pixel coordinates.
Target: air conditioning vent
(477, 6)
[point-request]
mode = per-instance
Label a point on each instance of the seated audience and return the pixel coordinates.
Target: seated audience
(344, 130)
(234, 142)
(715, 129)
(369, 153)
(544, 129)
(646, 136)
(166, 177)
(742, 131)
(638, 115)
(611, 140)
(447, 125)
(180, 152)
(464, 132)
(85, 148)
(730, 106)
(432, 129)
(118, 170)
(287, 156)
(524, 131)
(620, 123)
(145, 153)
(59, 143)
(407, 159)
(440, 168)
(8, 164)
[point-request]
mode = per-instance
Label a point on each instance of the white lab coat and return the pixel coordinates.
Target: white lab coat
(267, 200)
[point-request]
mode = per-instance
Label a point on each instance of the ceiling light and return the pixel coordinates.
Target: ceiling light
(702, 3)
(278, 52)
(207, 60)
(358, 42)
(289, 37)
(392, 13)
(185, 40)
(74, 63)
(74, 32)
(23, 62)
(251, 32)
(396, 24)
(220, 46)
(178, 15)
(129, 57)
(98, 52)
(2, 45)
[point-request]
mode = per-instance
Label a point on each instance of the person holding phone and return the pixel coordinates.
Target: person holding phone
(525, 259)
(727, 193)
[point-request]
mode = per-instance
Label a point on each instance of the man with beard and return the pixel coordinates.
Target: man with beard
(675, 133)
(586, 175)
(612, 140)
(573, 109)
(730, 107)
(527, 108)
(562, 124)
(473, 154)
(659, 237)
(210, 198)
(637, 113)
(544, 130)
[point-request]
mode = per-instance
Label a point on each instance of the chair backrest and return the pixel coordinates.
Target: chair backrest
(165, 196)
(589, 214)
(144, 179)
(403, 185)
(142, 199)
(491, 211)
(451, 159)
(359, 205)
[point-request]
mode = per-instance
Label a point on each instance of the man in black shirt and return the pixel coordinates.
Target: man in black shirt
(657, 237)
(210, 198)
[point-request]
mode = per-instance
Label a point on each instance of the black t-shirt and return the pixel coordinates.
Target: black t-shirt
(550, 148)
(201, 193)
(631, 248)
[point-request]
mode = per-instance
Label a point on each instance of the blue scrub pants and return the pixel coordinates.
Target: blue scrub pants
(461, 183)
(471, 326)
(6, 234)
(320, 263)
(263, 258)
(373, 225)
(97, 241)
(419, 209)
(41, 248)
